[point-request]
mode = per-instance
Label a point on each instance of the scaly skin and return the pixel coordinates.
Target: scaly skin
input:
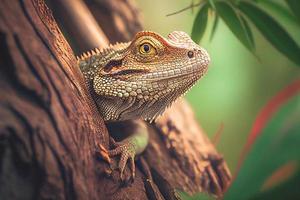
(140, 79)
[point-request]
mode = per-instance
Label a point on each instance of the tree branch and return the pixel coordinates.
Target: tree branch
(50, 128)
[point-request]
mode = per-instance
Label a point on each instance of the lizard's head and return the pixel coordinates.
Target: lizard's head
(149, 73)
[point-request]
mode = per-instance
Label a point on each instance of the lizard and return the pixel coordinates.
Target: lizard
(139, 79)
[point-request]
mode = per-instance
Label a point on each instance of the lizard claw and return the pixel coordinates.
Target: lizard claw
(126, 151)
(104, 153)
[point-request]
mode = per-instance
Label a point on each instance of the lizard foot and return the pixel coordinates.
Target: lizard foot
(126, 150)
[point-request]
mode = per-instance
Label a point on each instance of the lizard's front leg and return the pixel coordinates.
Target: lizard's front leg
(129, 147)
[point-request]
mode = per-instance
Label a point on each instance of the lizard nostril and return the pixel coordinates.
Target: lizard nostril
(190, 54)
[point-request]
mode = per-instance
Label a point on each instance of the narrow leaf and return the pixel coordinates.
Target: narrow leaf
(214, 28)
(295, 7)
(200, 23)
(212, 4)
(248, 31)
(272, 31)
(277, 8)
(234, 23)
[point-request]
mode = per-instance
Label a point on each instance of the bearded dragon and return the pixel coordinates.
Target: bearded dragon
(139, 80)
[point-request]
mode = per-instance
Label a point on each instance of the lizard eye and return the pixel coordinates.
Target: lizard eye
(147, 48)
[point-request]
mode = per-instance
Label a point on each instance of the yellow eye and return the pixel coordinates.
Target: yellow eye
(147, 48)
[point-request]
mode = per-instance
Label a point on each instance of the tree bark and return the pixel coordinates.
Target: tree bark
(50, 128)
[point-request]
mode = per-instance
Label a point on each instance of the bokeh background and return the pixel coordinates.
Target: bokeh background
(238, 84)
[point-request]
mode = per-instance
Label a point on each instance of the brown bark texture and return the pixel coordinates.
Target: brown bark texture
(50, 129)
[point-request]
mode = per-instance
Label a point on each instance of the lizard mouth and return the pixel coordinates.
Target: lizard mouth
(175, 73)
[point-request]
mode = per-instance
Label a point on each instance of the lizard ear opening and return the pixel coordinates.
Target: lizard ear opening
(112, 64)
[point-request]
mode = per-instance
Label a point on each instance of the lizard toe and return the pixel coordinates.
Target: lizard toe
(126, 151)
(132, 168)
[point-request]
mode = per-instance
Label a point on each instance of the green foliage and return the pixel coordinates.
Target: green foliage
(214, 28)
(238, 14)
(277, 144)
(295, 7)
(278, 139)
(248, 31)
(278, 9)
(272, 31)
(234, 23)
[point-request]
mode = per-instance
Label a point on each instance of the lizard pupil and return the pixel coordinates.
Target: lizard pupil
(146, 47)
(190, 54)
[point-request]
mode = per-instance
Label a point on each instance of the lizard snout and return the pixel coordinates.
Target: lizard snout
(203, 56)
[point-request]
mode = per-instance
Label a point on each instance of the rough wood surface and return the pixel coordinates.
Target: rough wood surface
(50, 129)
(119, 19)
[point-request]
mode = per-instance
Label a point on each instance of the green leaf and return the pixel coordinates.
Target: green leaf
(277, 145)
(214, 28)
(295, 7)
(272, 31)
(277, 8)
(234, 23)
(199, 196)
(200, 23)
(212, 4)
(248, 31)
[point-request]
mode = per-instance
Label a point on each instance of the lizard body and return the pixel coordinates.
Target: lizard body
(140, 79)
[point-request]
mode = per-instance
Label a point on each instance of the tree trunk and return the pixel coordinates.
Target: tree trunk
(50, 128)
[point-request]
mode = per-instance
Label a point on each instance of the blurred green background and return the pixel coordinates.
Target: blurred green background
(238, 84)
